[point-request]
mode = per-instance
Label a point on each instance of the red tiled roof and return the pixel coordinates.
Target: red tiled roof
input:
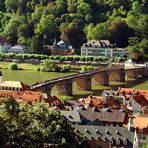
(29, 96)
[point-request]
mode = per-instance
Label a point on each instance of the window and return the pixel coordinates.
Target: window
(125, 142)
(118, 141)
(111, 141)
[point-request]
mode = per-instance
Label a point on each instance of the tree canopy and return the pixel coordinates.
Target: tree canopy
(23, 125)
(31, 22)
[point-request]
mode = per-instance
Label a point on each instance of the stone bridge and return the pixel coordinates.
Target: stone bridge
(83, 81)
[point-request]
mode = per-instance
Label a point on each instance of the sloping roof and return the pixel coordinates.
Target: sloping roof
(140, 122)
(15, 84)
(28, 96)
(105, 133)
(17, 47)
(53, 100)
(109, 92)
(112, 116)
(72, 116)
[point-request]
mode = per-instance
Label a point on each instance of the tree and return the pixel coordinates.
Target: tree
(49, 65)
(23, 125)
(120, 33)
(36, 44)
(72, 34)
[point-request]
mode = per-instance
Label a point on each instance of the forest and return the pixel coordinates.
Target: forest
(36, 23)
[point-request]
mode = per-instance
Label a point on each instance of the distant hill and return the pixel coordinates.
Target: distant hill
(36, 23)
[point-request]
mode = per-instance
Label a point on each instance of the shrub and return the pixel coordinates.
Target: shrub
(13, 66)
(38, 69)
(66, 68)
(49, 65)
(86, 69)
(57, 68)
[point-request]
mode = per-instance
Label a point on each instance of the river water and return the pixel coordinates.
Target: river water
(30, 77)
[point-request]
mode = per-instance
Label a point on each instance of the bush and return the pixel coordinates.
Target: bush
(119, 59)
(66, 68)
(86, 69)
(57, 68)
(13, 66)
(38, 69)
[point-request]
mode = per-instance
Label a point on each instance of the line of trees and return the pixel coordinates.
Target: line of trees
(4, 56)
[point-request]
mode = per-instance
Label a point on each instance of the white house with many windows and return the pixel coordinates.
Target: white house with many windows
(99, 48)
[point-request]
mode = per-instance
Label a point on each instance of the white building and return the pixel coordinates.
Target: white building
(98, 48)
(17, 49)
(4, 45)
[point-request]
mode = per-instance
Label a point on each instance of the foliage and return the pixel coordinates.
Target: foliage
(86, 69)
(23, 125)
(120, 59)
(36, 23)
(66, 68)
(13, 66)
(48, 65)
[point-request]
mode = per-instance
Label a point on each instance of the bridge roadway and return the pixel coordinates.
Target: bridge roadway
(61, 79)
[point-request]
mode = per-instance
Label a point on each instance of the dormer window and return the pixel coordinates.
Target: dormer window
(125, 142)
(97, 131)
(118, 141)
(87, 131)
(111, 140)
(76, 130)
(117, 132)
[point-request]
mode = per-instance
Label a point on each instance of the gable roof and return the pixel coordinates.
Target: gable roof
(28, 96)
(13, 84)
(113, 116)
(105, 133)
(72, 116)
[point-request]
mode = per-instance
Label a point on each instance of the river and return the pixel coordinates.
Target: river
(30, 77)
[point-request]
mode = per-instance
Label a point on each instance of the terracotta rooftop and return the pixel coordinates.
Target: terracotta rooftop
(140, 122)
(29, 96)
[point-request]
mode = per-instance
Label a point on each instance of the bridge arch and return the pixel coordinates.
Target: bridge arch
(133, 73)
(58, 89)
(117, 75)
(101, 78)
(82, 83)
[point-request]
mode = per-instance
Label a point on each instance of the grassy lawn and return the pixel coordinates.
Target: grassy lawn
(25, 66)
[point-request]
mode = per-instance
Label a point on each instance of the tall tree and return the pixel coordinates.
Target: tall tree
(23, 125)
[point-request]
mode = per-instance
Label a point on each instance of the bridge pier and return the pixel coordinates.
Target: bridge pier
(122, 76)
(117, 75)
(144, 72)
(102, 78)
(88, 83)
(68, 87)
(133, 73)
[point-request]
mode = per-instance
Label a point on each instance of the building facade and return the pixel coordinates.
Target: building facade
(98, 48)
(61, 48)
(17, 49)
